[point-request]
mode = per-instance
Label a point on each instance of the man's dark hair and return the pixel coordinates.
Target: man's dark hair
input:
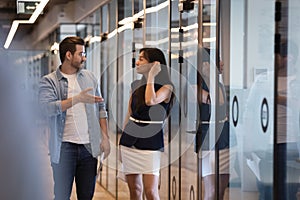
(69, 44)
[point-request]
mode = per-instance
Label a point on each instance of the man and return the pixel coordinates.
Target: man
(71, 98)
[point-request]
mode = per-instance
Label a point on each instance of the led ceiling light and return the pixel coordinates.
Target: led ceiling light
(141, 13)
(39, 8)
(32, 19)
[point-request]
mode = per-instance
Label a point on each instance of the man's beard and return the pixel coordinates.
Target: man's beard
(77, 66)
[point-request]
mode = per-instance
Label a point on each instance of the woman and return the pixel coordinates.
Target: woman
(142, 138)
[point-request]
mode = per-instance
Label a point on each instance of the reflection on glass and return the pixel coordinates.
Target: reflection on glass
(287, 133)
(252, 86)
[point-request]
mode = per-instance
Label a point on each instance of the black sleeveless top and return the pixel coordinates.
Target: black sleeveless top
(222, 137)
(144, 136)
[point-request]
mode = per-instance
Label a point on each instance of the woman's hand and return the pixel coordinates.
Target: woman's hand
(155, 69)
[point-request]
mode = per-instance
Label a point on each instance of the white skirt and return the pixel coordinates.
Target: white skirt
(208, 161)
(136, 161)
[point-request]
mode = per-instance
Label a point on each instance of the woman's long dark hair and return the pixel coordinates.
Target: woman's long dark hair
(162, 78)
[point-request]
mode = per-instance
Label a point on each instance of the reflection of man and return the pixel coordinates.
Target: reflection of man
(71, 98)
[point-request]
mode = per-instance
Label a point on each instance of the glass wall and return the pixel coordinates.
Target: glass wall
(238, 33)
(255, 89)
(287, 183)
(156, 35)
(184, 48)
(125, 76)
(174, 134)
(252, 31)
(109, 84)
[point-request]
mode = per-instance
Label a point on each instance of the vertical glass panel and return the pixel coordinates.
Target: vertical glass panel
(213, 129)
(112, 15)
(103, 177)
(187, 47)
(288, 111)
(96, 23)
(66, 30)
(22, 126)
(93, 59)
(157, 30)
(152, 3)
(104, 19)
(139, 32)
(125, 78)
(124, 9)
(108, 85)
(93, 42)
(82, 30)
(156, 35)
(174, 135)
(111, 78)
(138, 6)
(89, 26)
(209, 24)
(252, 97)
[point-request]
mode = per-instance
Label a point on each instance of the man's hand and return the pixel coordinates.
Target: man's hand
(84, 97)
(105, 146)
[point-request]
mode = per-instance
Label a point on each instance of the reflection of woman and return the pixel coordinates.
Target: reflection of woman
(222, 137)
(142, 139)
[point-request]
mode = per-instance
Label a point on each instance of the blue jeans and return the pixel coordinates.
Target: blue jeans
(75, 162)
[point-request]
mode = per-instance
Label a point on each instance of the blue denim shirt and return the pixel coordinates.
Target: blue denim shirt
(53, 89)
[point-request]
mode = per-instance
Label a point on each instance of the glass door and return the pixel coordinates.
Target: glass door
(286, 148)
(252, 72)
(213, 145)
(186, 47)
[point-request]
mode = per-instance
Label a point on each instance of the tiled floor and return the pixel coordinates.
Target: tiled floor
(123, 193)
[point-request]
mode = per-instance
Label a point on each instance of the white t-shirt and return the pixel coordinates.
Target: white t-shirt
(76, 126)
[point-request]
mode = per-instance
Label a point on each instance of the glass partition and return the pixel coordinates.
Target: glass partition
(187, 46)
(93, 42)
(125, 78)
(23, 126)
(287, 182)
(241, 35)
(174, 133)
(104, 18)
(156, 35)
(103, 178)
(111, 72)
(252, 97)
(243, 67)
(109, 80)
(112, 15)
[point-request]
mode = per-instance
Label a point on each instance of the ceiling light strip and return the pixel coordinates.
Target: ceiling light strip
(141, 13)
(39, 8)
(31, 20)
(11, 34)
